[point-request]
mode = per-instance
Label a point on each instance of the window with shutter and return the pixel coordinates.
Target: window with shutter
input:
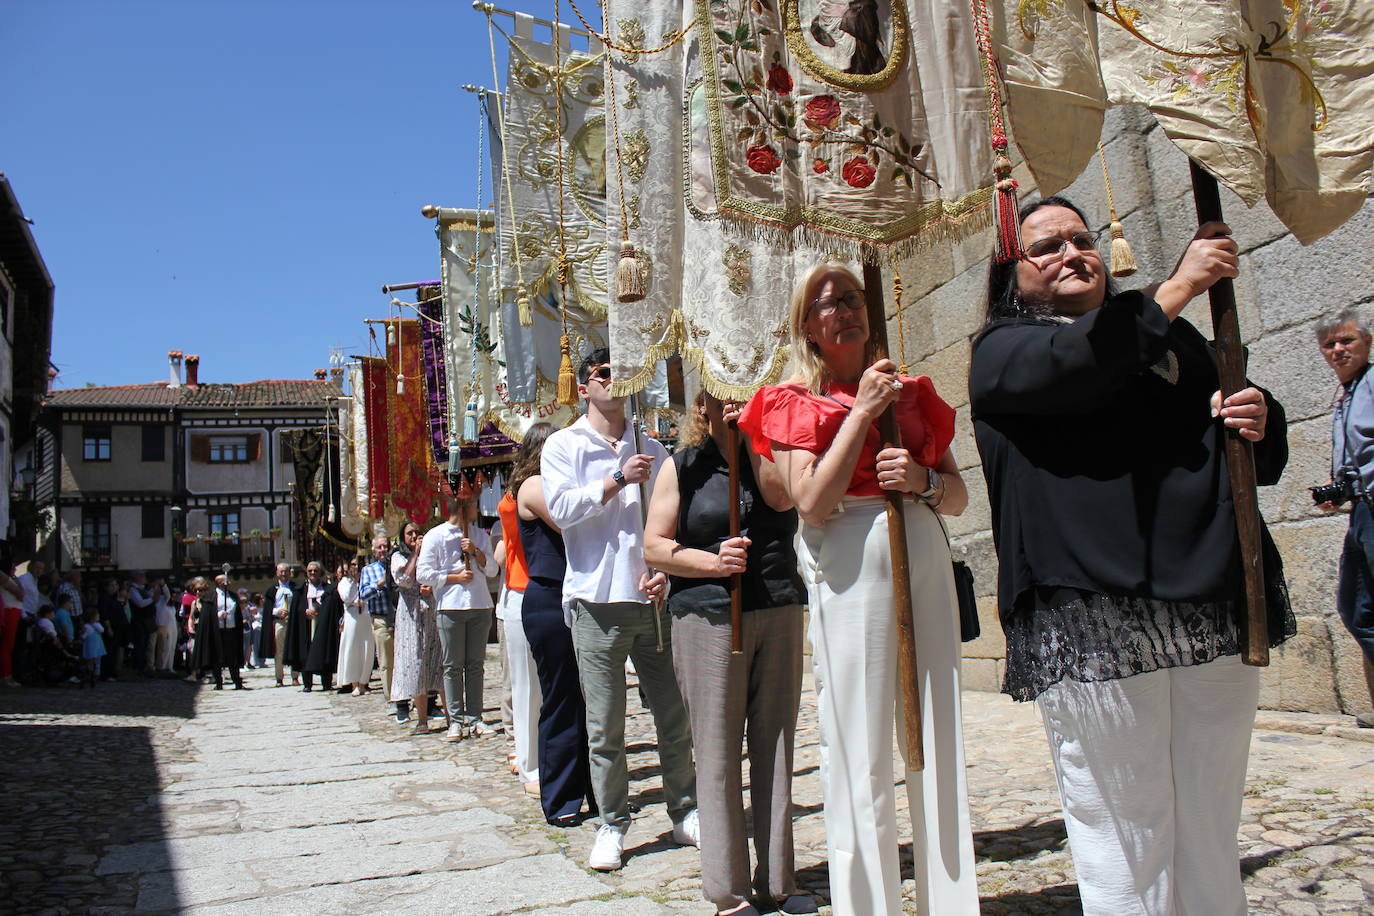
(200, 449)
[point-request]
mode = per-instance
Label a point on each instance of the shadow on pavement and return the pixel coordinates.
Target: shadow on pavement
(71, 792)
(141, 697)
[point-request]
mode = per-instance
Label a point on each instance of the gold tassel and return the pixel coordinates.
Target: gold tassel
(630, 283)
(1123, 258)
(523, 310)
(567, 379)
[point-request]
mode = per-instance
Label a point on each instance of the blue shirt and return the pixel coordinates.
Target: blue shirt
(63, 620)
(376, 591)
(1352, 431)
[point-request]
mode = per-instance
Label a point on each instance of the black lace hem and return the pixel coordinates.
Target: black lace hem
(1090, 637)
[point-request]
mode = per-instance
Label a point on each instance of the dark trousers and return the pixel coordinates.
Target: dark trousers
(564, 774)
(138, 640)
(326, 680)
(1355, 595)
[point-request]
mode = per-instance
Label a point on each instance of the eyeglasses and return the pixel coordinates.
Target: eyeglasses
(852, 300)
(1051, 248)
(602, 373)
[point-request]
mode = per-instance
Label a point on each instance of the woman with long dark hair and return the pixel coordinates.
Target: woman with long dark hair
(1102, 434)
(564, 772)
(525, 694)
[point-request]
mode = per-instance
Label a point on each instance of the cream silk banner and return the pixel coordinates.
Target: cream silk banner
(538, 148)
(353, 457)
(515, 366)
(1274, 97)
(865, 120)
(718, 296)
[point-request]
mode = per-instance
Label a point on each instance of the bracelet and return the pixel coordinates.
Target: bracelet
(936, 498)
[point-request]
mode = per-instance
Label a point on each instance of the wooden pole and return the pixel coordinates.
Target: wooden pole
(907, 679)
(1240, 455)
(736, 580)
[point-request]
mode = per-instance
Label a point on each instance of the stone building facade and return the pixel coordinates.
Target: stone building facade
(1282, 291)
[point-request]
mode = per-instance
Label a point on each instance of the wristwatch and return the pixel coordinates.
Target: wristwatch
(619, 477)
(934, 481)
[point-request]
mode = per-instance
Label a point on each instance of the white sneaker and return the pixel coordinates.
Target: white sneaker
(606, 851)
(687, 831)
(454, 733)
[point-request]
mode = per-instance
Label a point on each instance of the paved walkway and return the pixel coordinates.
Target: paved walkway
(161, 797)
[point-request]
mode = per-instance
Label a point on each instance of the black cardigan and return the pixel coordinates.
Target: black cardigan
(1102, 474)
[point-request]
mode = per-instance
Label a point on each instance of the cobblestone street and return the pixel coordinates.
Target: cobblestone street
(157, 796)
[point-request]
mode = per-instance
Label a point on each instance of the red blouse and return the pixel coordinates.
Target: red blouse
(791, 415)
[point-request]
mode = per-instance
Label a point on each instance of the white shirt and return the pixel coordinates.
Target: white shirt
(604, 541)
(225, 604)
(47, 626)
(348, 593)
(31, 598)
(282, 600)
(441, 556)
(164, 615)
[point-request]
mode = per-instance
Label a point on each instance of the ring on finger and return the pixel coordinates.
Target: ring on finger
(896, 384)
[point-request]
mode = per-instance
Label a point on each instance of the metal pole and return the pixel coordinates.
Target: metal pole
(737, 579)
(644, 508)
(1240, 453)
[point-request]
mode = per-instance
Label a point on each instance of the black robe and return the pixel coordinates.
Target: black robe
(324, 647)
(207, 649)
(231, 632)
(297, 647)
(267, 635)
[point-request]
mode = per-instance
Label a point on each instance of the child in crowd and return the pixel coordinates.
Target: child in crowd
(92, 647)
(62, 619)
(52, 661)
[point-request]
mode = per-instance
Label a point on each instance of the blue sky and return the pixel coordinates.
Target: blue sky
(235, 179)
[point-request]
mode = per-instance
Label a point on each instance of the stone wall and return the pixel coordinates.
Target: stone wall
(1282, 290)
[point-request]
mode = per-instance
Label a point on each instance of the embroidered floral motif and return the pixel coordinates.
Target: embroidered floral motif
(1223, 65)
(631, 36)
(858, 172)
(769, 109)
(739, 268)
(634, 152)
(762, 159)
(631, 94)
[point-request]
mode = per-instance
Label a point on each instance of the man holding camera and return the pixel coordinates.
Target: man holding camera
(1344, 339)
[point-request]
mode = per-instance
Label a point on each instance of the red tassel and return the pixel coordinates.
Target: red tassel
(1006, 209)
(464, 491)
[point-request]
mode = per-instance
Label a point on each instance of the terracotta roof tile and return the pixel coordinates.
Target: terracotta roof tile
(265, 393)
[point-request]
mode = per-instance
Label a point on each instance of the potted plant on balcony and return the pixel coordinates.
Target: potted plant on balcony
(275, 533)
(255, 534)
(216, 536)
(233, 538)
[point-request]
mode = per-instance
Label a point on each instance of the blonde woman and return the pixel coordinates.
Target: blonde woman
(821, 430)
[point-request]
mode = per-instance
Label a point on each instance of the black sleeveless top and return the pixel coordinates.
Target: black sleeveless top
(545, 555)
(703, 521)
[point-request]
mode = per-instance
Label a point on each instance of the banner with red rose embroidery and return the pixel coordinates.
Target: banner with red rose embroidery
(862, 119)
(1274, 97)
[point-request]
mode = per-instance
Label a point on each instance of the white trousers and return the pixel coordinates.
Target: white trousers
(526, 696)
(853, 636)
(1151, 771)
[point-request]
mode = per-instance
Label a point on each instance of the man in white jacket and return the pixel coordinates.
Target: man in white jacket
(455, 561)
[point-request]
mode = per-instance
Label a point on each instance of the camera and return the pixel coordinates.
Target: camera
(1338, 492)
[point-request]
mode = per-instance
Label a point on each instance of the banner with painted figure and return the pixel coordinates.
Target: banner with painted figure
(376, 382)
(1273, 97)
(415, 481)
(864, 120)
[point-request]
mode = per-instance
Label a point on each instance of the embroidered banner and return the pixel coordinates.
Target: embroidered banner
(1274, 97)
(353, 458)
(376, 381)
(865, 120)
(718, 297)
(490, 359)
(555, 164)
(435, 371)
(414, 480)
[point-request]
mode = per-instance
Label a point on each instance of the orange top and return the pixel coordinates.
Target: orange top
(517, 570)
(791, 415)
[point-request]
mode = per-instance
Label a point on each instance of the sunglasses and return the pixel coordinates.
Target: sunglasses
(1050, 248)
(602, 373)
